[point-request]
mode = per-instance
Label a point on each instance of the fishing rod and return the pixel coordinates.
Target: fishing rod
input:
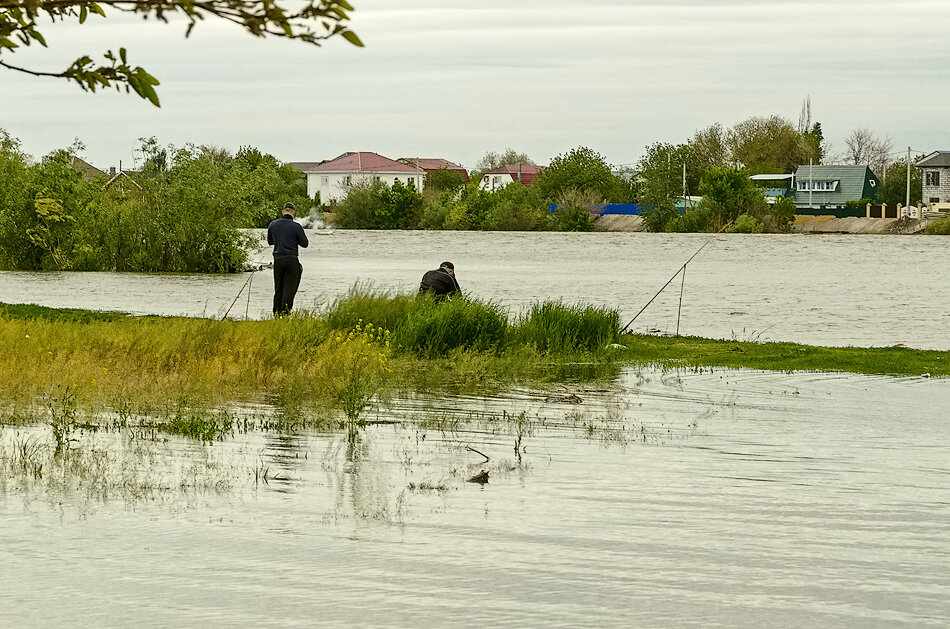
(682, 270)
(247, 284)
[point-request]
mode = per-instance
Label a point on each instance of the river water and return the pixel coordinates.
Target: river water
(815, 289)
(732, 498)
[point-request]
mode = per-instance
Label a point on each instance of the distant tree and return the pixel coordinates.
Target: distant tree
(492, 160)
(866, 147)
(310, 21)
(770, 144)
(444, 179)
(733, 193)
(894, 184)
(580, 169)
(661, 173)
(709, 148)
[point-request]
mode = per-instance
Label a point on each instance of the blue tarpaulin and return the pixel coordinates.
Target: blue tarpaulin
(625, 209)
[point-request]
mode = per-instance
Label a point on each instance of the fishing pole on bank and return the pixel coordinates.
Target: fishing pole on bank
(247, 284)
(682, 270)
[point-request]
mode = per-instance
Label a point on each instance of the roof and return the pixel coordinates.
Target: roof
(768, 177)
(935, 159)
(304, 166)
(362, 162)
(528, 172)
(87, 169)
(851, 180)
(431, 163)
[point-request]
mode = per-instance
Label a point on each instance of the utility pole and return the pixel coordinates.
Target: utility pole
(908, 177)
(811, 185)
(684, 184)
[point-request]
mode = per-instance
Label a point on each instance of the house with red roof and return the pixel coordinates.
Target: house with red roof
(333, 178)
(504, 175)
(434, 164)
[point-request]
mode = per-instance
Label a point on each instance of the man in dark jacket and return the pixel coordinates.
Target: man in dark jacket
(286, 234)
(440, 282)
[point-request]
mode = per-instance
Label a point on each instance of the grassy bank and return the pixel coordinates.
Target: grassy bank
(366, 346)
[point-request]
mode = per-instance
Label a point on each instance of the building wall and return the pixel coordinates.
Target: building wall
(941, 192)
(334, 186)
(495, 182)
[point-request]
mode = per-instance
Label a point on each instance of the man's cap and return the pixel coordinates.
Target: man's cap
(447, 265)
(290, 206)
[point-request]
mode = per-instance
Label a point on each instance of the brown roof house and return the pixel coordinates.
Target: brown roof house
(333, 178)
(434, 164)
(504, 175)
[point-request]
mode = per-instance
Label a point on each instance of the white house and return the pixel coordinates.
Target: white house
(504, 175)
(332, 179)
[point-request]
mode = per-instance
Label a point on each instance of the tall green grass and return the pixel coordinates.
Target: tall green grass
(555, 327)
(429, 328)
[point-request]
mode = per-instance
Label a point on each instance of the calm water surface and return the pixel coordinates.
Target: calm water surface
(732, 498)
(830, 290)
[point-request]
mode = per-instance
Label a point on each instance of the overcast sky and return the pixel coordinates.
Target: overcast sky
(455, 80)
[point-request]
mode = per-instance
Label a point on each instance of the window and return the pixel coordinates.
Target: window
(933, 177)
(395, 179)
(325, 180)
(935, 199)
(347, 180)
(375, 178)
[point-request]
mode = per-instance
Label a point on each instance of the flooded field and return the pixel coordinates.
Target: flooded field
(659, 499)
(823, 290)
(730, 498)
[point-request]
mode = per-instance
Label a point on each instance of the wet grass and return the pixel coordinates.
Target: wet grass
(365, 348)
(702, 352)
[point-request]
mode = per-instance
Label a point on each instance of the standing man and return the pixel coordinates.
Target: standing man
(286, 234)
(440, 282)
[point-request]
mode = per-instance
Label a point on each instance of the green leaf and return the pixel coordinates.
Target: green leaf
(346, 5)
(351, 37)
(83, 13)
(122, 55)
(95, 8)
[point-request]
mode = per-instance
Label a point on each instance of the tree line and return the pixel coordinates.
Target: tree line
(183, 211)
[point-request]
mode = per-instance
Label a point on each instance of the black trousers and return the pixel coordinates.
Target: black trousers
(287, 272)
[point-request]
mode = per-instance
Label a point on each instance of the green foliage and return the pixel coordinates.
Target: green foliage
(374, 205)
(858, 204)
(310, 21)
(659, 218)
(582, 169)
(183, 213)
(772, 145)
(425, 327)
(661, 170)
(940, 227)
(894, 185)
(746, 224)
(562, 328)
(444, 180)
(572, 213)
(514, 208)
(733, 194)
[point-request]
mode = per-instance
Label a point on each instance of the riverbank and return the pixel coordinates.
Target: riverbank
(364, 347)
(803, 224)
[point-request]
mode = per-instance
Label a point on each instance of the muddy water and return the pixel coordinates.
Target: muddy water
(829, 290)
(732, 498)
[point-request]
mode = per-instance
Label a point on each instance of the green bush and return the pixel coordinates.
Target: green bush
(745, 224)
(940, 227)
